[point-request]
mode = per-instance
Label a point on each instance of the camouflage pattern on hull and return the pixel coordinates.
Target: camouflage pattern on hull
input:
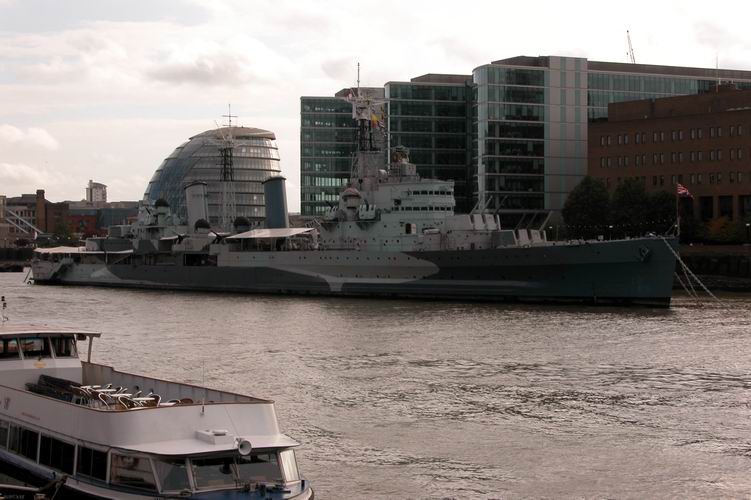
(636, 271)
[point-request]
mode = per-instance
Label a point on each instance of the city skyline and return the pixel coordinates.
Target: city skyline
(108, 90)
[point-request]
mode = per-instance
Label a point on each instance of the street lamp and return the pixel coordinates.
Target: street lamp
(748, 225)
(610, 232)
(550, 228)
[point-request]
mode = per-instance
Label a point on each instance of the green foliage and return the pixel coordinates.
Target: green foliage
(587, 209)
(630, 207)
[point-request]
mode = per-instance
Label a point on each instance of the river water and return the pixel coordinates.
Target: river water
(413, 399)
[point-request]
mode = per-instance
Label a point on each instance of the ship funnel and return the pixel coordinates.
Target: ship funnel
(196, 202)
(276, 202)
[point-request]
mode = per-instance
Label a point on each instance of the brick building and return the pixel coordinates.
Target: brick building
(700, 141)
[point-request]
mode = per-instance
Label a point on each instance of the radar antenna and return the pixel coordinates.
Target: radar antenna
(227, 173)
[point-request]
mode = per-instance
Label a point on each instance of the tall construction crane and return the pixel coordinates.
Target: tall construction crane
(631, 56)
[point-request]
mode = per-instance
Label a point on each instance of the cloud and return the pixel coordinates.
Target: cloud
(19, 178)
(32, 136)
(214, 69)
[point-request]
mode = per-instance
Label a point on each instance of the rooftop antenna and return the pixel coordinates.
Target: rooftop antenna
(227, 173)
(631, 55)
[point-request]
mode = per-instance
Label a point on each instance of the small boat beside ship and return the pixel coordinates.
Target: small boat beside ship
(392, 234)
(110, 434)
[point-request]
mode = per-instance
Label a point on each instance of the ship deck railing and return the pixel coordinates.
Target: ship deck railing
(107, 389)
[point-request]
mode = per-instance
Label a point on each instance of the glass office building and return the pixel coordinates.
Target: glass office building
(255, 159)
(327, 145)
(513, 137)
(531, 123)
(431, 115)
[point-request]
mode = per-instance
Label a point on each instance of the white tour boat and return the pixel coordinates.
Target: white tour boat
(111, 434)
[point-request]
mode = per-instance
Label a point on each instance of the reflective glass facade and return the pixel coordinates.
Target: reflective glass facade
(531, 123)
(433, 120)
(255, 159)
(327, 142)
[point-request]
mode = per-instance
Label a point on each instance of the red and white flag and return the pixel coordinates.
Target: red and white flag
(682, 191)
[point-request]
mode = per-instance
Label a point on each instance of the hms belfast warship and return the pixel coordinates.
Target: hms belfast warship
(392, 234)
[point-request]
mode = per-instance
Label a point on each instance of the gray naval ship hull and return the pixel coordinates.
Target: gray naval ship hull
(634, 271)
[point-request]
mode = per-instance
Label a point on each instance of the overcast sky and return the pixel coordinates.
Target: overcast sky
(105, 89)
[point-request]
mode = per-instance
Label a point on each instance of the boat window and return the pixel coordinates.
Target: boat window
(173, 474)
(259, 467)
(23, 441)
(289, 466)
(35, 347)
(92, 463)
(3, 434)
(65, 347)
(8, 349)
(134, 472)
(56, 454)
(213, 472)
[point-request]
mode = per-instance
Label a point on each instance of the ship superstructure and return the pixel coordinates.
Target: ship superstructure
(392, 234)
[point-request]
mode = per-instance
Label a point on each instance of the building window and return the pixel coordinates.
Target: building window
(673, 135)
(719, 131)
(711, 178)
(609, 162)
(740, 129)
(731, 177)
(662, 180)
(732, 154)
(637, 136)
(692, 179)
(711, 132)
(739, 154)
(711, 155)
(673, 180)
(654, 180)
(620, 160)
(625, 161)
(693, 133)
(608, 140)
(662, 136)
(636, 160)
(680, 156)
(602, 161)
(699, 178)
(602, 140)
(699, 133)
(643, 137)
(3, 434)
(620, 139)
(719, 178)
(719, 154)
(654, 137)
(732, 130)
(673, 157)
(654, 158)
(700, 155)
(644, 159)
(662, 158)
(625, 138)
(740, 177)
(680, 134)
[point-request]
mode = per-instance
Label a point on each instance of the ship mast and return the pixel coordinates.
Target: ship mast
(227, 174)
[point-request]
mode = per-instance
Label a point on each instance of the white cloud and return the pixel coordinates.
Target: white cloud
(32, 136)
(21, 178)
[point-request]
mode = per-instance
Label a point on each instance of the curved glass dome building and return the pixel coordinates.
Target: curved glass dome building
(255, 159)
